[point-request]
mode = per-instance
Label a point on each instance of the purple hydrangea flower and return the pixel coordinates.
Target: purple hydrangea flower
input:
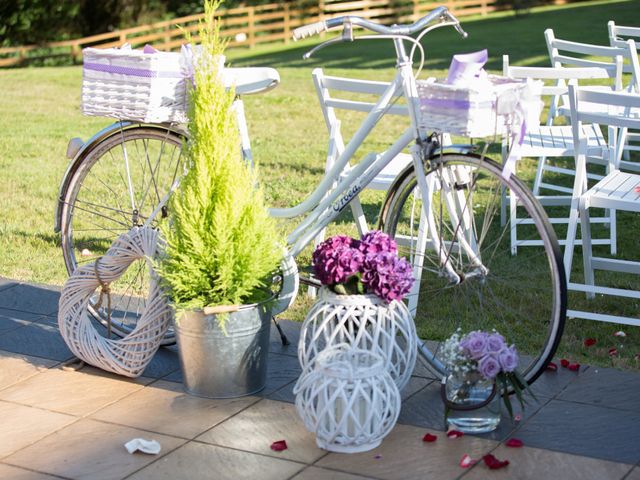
(495, 343)
(508, 358)
(475, 343)
(386, 275)
(376, 242)
(489, 367)
(335, 265)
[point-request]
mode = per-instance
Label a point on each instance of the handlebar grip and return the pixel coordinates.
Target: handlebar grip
(309, 30)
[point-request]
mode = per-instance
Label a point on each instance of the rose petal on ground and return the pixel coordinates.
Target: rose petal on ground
(279, 445)
(613, 352)
(564, 362)
(378, 456)
(429, 438)
(552, 367)
(454, 434)
(620, 333)
(493, 463)
(466, 461)
(574, 367)
(514, 443)
(589, 342)
(517, 418)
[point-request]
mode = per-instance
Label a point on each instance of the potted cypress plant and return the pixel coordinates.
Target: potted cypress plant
(221, 246)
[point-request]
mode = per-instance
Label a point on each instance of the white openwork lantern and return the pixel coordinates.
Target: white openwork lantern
(349, 399)
(365, 322)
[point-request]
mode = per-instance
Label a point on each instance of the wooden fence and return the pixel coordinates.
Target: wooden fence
(246, 26)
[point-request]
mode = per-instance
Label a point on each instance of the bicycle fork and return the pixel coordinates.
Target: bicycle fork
(459, 206)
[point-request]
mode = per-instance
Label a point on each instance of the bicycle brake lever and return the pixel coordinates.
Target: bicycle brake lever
(308, 55)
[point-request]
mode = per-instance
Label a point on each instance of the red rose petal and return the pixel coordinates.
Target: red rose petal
(378, 456)
(466, 461)
(429, 438)
(620, 333)
(514, 443)
(613, 352)
(454, 434)
(493, 463)
(279, 446)
(517, 418)
(564, 362)
(589, 342)
(637, 189)
(574, 367)
(552, 367)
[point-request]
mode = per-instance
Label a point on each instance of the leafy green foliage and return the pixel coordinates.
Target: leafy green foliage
(222, 245)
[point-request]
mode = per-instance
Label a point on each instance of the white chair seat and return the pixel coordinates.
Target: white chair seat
(557, 141)
(618, 189)
(251, 80)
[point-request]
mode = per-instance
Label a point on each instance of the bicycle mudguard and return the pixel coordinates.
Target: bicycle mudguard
(80, 154)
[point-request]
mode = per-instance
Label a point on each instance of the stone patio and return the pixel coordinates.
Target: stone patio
(62, 423)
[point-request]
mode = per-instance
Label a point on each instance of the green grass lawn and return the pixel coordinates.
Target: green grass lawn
(41, 112)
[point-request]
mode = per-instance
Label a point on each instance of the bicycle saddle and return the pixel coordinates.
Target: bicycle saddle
(248, 81)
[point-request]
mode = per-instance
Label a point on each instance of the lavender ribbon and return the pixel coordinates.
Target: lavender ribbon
(134, 72)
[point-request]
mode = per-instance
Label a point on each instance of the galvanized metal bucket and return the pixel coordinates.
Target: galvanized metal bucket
(224, 364)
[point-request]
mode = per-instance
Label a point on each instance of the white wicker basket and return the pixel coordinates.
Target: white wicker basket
(481, 110)
(132, 85)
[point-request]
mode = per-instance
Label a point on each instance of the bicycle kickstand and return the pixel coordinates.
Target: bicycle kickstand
(283, 338)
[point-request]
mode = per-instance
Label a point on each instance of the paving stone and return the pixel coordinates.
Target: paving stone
(426, 409)
(12, 319)
(586, 430)
(7, 283)
(257, 427)
(37, 339)
(315, 473)
(291, 331)
(90, 450)
(551, 384)
(634, 475)
(199, 461)
(165, 408)
(15, 367)
(606, 387)
(73, 392)
(15, 473)
(404, 456)
(23, 425)
(30, 298)
(529, 463)
(165, 361)
(284, 394)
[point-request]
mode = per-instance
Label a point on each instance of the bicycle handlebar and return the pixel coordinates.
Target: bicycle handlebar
(317, 27)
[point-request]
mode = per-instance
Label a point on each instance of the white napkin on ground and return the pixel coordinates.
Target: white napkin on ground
(145, 446)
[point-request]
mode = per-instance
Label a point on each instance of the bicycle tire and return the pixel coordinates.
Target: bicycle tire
(522, 296)
(98, 207)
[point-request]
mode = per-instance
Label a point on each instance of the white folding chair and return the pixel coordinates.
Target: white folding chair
(618, 37)
(618, 190)
(545, 141)
(564, 53)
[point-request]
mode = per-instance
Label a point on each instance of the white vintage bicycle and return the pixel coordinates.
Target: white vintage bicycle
(443, 209)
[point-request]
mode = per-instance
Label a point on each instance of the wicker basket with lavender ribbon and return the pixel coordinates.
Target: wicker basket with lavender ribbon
(140, 85)
(491, 106)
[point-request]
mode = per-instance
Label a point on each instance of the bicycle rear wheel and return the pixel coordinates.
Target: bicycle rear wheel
(118, 185)
(522, 296)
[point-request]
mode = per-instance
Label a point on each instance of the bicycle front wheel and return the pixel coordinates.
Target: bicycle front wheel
(119, 184)
(460, 248)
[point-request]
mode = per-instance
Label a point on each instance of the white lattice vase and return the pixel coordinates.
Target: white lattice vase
(365, 322)
(349, 399)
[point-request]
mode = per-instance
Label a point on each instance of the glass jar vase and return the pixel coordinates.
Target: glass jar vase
(472, 403)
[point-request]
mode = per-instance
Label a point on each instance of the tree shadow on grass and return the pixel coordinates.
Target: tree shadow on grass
(521, 37)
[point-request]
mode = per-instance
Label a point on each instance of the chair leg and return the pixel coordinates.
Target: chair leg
(539, 172)
(513, 228)
(587, 249)
(571, 238)
(613, 232)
